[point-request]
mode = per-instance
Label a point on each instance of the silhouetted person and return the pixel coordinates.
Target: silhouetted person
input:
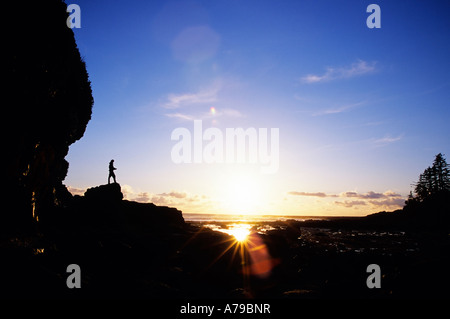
(111, 172)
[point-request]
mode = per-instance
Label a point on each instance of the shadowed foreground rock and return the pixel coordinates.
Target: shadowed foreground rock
(104, 205)
(124, 249)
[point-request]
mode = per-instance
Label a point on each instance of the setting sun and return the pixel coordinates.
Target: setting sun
(239, 231)
(243, 195)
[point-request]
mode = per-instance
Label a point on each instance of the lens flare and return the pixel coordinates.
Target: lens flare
(240, 233)
(249, 246)
(212, 110)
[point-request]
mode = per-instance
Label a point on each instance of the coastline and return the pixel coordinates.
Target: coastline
(127, 249)
(201, 217)
(135, 250)
(322, 259)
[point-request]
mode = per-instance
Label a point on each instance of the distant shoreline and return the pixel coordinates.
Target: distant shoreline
(199, 217)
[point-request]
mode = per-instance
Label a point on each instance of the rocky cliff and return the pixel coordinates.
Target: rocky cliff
(49, 105)
(103, 206)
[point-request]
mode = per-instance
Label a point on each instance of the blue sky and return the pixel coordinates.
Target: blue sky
(361, 112)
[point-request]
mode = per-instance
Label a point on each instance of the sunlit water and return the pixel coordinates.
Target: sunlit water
(239, 231)
(240, 226)
(245, 218)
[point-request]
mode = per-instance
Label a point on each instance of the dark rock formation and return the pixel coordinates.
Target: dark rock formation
(103, 206)
(152, 217)
(49, 105)
(104, 193)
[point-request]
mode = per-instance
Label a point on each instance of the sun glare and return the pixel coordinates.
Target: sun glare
(240, 234)
(239, 231)
(243, 195)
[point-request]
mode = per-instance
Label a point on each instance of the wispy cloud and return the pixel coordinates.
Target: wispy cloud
(76, 191)
(204, 95)
(350, 203)
(200, 105)
(368, 195)
(386, 140)
(340, 109)
(355, 69)
(218, 113)
(318, 194)
(142, 197)
(171, 198)
(175, 101)
(184, 201)
(181, 116)
(390, 202)
(387, 199)
(174, 194)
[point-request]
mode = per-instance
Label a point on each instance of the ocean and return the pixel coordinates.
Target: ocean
(233, 218)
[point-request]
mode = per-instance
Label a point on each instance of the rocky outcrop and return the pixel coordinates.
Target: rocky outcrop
(109, 193)
(49, 105)
(103, 206)
(150, 216)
